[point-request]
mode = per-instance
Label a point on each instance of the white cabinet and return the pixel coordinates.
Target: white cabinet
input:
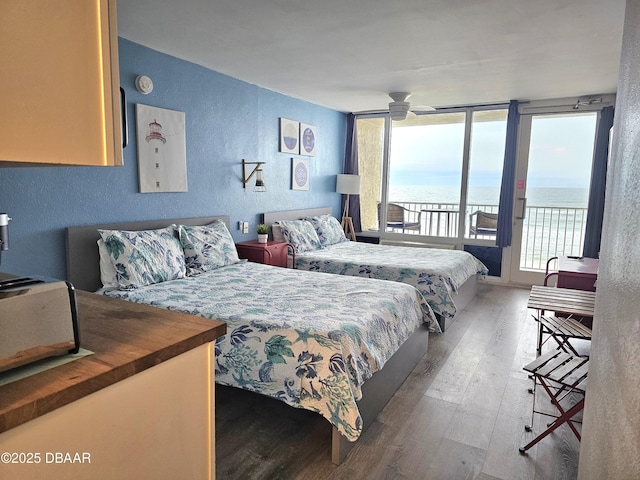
(157, 424)
(59, 83)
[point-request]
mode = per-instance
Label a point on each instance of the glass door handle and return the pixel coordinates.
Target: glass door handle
(524, 208)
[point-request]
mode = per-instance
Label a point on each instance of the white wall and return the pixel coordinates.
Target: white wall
(611, 430)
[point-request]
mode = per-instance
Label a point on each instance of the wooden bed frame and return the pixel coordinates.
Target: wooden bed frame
(83, 271)
(465, 293)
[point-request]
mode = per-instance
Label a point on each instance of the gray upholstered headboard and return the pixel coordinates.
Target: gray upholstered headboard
(83, 259)
(272, 217)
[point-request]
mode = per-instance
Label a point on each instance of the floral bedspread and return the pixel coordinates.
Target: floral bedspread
(309, 340)
(436, 272)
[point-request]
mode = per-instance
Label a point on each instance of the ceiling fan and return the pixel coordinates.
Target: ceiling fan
(400, 107)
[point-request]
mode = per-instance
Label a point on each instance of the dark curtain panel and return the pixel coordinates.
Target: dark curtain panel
(351, 166)
(505, 209)
(595, 209)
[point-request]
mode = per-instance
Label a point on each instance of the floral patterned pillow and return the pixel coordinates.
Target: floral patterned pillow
(207, 247)
(144, 257)
(301, 235)
(328, 229)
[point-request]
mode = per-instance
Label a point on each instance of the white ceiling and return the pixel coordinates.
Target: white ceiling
(348, 54)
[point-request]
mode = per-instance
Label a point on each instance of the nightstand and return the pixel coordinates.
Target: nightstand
(578, 273)
(270, 253)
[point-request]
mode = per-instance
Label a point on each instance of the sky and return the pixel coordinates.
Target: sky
(560, 154)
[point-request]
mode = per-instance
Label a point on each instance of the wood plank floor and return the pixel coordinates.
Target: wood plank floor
(459, 415)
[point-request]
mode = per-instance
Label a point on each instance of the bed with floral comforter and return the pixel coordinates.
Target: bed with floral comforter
(307, 340)
(436, 273)
(320, 245)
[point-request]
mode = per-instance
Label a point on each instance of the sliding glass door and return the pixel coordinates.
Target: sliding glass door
(552, 190)
(436, 178)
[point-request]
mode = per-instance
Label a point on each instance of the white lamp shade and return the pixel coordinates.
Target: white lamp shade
(349, 184)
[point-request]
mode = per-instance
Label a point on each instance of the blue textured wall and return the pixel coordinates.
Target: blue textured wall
(226, 120)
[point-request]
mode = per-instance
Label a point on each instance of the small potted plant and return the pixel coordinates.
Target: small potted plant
(263, 233)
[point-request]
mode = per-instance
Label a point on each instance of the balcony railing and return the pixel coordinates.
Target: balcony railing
(547, 231)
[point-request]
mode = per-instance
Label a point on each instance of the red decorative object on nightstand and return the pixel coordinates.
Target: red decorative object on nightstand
(270, 253)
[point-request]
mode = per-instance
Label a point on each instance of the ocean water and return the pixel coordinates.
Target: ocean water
(536, 196)
(545, 234)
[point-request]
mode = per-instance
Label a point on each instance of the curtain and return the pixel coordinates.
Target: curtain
(351, 166)
(505, 208)
(595, 210)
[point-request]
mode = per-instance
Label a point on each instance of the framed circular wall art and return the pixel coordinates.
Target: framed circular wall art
(289, 136)
(299, 174)
(308, 140)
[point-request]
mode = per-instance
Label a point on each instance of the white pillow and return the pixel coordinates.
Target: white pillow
(276, 231)
(107, 270)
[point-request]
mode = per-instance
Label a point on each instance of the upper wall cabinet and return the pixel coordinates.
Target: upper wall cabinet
(59, 83)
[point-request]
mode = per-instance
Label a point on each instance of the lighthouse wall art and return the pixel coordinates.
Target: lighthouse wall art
(162, 157)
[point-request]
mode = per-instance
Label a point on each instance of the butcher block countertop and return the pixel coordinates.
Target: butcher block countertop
(125, 338)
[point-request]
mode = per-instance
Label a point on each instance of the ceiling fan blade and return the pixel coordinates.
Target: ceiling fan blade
(422, 108)
(400, 108)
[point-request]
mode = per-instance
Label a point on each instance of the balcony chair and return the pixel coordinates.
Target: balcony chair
(483, 224)
(399, 217)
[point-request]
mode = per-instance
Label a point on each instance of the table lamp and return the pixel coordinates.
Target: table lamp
(348, 184)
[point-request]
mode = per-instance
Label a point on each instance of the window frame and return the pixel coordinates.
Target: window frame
(383, 234)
